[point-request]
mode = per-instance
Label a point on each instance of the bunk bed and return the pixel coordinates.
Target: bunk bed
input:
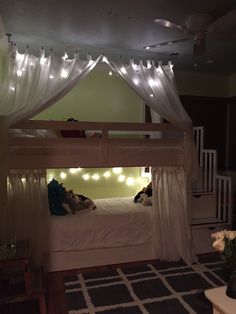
(118, 230)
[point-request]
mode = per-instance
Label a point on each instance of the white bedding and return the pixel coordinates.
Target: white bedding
(116, 222)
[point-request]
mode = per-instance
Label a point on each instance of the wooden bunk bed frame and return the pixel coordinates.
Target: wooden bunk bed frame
(103, 151)
(107, 150)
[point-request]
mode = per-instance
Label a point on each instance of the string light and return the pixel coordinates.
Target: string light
(104, 59)
(64, 73)
(19, 73)
(51, 76)
(121, 178)
(95, 177)
(12, 88)
(130, 181)
(86, 176)
(110, 73)
(107, 174)
(73, 170)
(65, 56)
(63, 175)
(117, 170)
(123, 70)
(151, 82)
(136, 81)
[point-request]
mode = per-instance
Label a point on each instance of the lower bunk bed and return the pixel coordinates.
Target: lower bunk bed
(117, 231)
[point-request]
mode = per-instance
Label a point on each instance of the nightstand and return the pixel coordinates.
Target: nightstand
(14, 261)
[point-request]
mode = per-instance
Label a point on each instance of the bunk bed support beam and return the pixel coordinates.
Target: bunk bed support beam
(4, 169)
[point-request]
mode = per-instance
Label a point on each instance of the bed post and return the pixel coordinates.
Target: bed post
(4, 168)
(187, 171)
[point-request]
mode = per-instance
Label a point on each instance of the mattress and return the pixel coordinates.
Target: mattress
(116, 222)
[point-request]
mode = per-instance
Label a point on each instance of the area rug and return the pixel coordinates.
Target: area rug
(156, 288)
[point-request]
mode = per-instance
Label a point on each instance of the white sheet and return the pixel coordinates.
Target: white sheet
(116, 222)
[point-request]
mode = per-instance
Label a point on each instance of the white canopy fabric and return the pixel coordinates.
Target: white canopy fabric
(32, 84)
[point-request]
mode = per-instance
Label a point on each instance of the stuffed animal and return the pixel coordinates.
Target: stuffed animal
(56, 197)
(144, 196)
(78, 202)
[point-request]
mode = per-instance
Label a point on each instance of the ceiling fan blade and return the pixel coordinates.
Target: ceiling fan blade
(226, 21)
(169, 24)
(170, 42)
(199, 47)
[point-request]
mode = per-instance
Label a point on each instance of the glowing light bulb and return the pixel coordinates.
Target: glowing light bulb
(123, 70)
(95, 177)
(12, 88)
(136, 82)
(19, 56)
(151, 82)
(130, 181)
(107, 174)
(110, 73)
(121, 178)
(51, 77)
(151, 95)
(73, 170)
(19, 73)
(86, 176)
(63, 175)
(42, 60)
(64, 73)
(23, 179)
(65, 56)
(147, 47)
(104, 59)
(117, 170)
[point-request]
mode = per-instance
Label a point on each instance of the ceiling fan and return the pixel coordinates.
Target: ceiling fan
(199, 26)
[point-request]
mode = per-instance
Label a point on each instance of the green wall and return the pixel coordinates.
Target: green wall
(103, 187)
(99, 97)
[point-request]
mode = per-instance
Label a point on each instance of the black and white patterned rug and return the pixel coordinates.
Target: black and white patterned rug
(156, 288)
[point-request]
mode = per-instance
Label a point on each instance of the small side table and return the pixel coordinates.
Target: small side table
(20, 259)
(221, 303)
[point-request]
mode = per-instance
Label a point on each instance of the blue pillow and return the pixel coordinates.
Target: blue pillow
(56, 196)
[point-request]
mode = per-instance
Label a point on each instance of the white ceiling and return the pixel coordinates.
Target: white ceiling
(120, 28)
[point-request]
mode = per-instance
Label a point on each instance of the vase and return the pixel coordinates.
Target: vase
(231, 286)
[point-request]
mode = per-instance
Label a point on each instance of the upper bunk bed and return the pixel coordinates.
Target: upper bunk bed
(118, 144)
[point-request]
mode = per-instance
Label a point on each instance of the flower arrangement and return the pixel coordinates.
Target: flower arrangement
(225, 243)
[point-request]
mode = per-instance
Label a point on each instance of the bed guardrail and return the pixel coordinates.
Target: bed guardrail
(117, 143)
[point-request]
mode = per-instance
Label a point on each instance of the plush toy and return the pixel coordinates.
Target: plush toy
(144, 196)
(78, 202)
(56, 197)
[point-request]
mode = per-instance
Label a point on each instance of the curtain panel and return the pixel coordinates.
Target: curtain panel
(28, 211)
(172, 238)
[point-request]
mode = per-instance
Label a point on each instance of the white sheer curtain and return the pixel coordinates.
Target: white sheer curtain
(173, 238)
(35, 83)
(28, 214)
(156, 87)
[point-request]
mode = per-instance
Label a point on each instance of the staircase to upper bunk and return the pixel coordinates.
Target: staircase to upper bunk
(211, 200)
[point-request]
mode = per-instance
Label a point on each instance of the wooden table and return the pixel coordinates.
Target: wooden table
(221, 303)
(18, 258)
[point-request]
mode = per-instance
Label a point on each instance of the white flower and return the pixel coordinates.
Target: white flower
(231, 234)
(219, 245)
(219, 235)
